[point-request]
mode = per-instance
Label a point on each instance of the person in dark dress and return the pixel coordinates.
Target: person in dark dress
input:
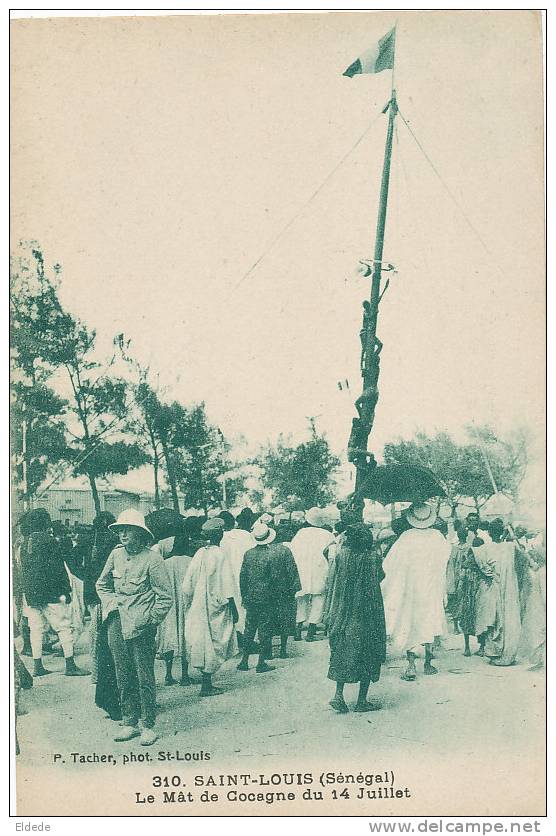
(354, 616)
(454, 571)
(468, 585)
(103, 671)
(285, 583)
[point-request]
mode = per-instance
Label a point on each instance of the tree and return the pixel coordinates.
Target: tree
(462, 469)
(38, 437)
(144, 427)
(193, 451)
(99, 402)
(143, 416)
(38, 434)
(505, 459)
(166, 422)
(302, 474)
(204, 469)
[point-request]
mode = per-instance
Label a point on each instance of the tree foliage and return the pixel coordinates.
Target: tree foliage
(37, 413)
(302, 475)
(60, 341)
(463, 469)
(201, 460)
(507, 457)
(193, 451)
(38, 434)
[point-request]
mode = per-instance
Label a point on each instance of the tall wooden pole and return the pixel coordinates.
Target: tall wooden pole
(370, 347)
(381, 219)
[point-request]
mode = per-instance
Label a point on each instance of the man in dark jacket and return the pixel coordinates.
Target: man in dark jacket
(257, 596)
(46, 588)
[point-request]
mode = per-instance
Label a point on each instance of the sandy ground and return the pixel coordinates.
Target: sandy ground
(469, 740)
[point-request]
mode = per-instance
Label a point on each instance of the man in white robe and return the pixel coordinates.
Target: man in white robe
(414, 588)
(502, 638)
(235, 542)
(308, 548)
(210, 609)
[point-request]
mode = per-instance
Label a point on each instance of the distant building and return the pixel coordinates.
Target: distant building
(71, 502)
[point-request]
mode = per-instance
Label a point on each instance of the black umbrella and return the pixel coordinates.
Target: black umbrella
(164, 523)
(401, 483)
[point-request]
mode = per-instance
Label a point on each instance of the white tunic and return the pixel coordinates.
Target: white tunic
(170, 635)
(235, 543)
(414, 588)
(210, 636)
(308, 547)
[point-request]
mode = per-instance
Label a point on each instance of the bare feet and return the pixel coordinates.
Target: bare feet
(410, 674)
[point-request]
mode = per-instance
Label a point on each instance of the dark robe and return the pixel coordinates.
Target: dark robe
(107, 695)
(94, 562)
(354, 616)
(468, 585)
(285, 583)
(106, 692)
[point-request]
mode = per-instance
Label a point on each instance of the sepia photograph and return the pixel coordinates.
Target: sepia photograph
(277, 413)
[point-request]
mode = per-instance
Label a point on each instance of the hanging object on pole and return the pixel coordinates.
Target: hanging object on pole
(365, 267)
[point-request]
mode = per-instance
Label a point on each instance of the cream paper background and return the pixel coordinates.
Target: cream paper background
(157, 157)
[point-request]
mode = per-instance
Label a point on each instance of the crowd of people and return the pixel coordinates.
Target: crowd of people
(222, 587)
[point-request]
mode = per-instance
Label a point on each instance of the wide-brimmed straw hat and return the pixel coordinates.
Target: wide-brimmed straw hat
(421, 516)
(316, 517)
(132, 518)
(263, 534)
(445, 511)
(385, 534)
(213, 524)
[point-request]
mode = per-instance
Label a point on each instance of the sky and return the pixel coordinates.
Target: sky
(156, 159)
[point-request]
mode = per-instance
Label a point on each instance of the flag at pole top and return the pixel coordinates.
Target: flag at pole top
(379, 57)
